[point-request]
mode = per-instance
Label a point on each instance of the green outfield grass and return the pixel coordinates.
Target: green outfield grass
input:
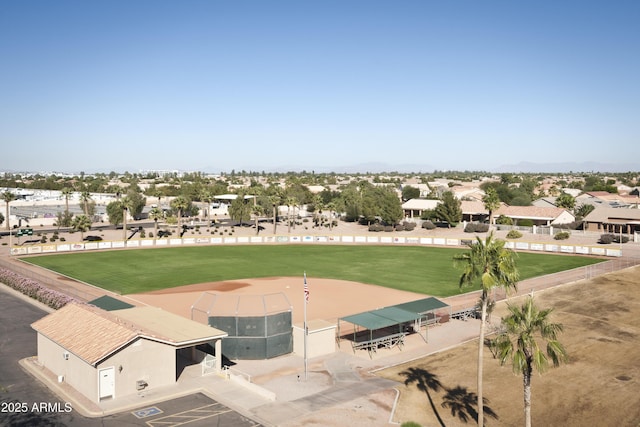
(425, 270)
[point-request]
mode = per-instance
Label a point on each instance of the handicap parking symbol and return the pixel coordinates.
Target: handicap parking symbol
(147, 412)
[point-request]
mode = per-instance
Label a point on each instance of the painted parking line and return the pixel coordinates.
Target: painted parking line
(189, 416)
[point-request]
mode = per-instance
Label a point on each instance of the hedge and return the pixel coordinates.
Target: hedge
(33, 289)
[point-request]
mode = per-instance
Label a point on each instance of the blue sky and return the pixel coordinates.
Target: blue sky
(317, 85)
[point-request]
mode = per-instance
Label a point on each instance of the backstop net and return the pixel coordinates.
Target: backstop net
(259, 326)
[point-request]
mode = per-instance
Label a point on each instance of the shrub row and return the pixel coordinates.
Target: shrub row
(33, 289)
(476, 227)
(428, 225)
(612, 238)
(405, 226)
(514, 234)
(563, 235)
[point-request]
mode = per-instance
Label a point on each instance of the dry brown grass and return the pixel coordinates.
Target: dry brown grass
(600, 386)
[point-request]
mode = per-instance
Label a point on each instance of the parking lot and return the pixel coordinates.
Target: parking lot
(26, 402)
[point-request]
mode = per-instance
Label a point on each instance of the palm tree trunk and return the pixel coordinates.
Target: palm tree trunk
(155, 231)
(124, 224)
(480, 359)
(526, 379)
(330, 219)
(275, 218)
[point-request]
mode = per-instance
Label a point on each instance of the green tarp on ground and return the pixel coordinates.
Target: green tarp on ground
(109, 303)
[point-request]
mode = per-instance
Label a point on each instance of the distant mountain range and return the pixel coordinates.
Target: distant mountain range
(527, 167)
(522, 167)
(380, 167)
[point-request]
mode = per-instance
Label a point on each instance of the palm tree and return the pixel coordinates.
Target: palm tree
(317, 208)
(85, 197)
(180, 203)
(495, 266)
(205, 198)
(290, 201)
(155, 214)
(491, 202)
(519, 345)
(257, 211)
(66, 193)
(331, 207)
(275, 202)
(8, 197)
(81, 223)
(125, 203)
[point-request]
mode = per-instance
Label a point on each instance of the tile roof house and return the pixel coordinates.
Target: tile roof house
(613, 220)
(541, 216)
(413, 208)
(106, 354)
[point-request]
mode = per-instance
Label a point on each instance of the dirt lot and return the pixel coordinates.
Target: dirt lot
(600, 385)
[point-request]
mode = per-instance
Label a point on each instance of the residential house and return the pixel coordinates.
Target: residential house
(613, 220)
(540, 216)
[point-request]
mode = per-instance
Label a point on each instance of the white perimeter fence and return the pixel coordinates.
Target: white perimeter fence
(598, 250)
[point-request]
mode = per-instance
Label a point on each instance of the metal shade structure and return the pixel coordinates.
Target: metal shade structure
(396, 315)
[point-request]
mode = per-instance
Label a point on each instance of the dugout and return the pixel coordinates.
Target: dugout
(387, 326)
(258, 326)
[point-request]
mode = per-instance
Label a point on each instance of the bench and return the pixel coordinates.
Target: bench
(431, 319)
(373, 345)
(464, 314)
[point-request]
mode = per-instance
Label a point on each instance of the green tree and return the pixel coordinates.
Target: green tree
(494, 265)
(240, 208)
(449, 209)
(409, 192)
(135, 202)
(7, 197)
(491, 202)
(114, 212)
(388, 205)
(521, 343)
(81, 223)
(566, 201)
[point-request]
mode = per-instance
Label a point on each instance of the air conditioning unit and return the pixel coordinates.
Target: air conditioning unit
(60, 378)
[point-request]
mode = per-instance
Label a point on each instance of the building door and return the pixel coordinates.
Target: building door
(106, 384)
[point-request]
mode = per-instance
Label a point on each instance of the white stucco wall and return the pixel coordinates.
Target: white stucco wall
(76, 372)
(150, 361)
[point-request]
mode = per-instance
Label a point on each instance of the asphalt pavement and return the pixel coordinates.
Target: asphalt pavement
(26, 402)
